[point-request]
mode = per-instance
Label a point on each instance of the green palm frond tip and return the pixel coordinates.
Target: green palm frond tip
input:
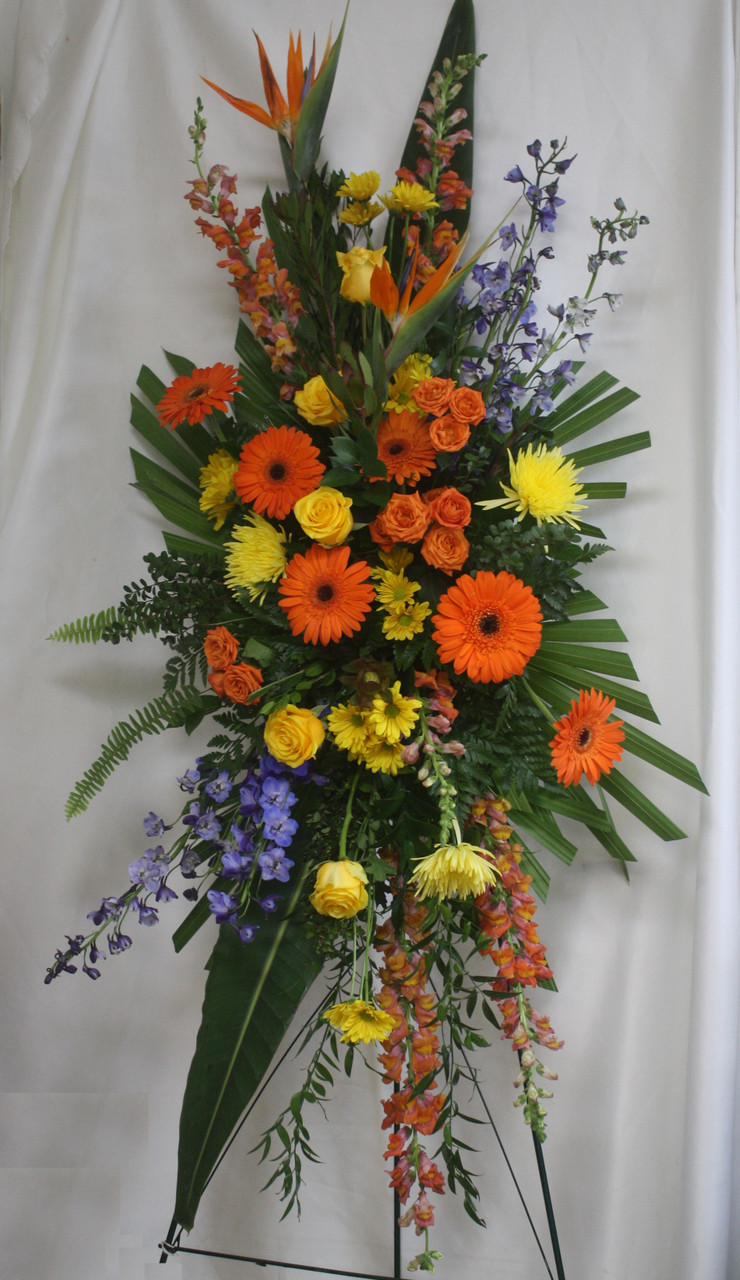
(160, 714)
(88, 630)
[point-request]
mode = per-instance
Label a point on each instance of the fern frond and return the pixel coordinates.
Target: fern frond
(155, 717)
(88, 630)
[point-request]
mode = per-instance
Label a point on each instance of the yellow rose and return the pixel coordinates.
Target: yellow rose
(358, 266)
(293, 735)
(340, 889)
(325, 515)
(317, 405)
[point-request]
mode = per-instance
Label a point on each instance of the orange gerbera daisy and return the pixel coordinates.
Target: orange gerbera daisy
(584, 742)
(324, 596)
(488, 626)
(276, 468)
(193, 396)
(404, 445)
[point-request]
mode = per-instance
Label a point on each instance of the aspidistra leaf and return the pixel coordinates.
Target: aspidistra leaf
(252, 993)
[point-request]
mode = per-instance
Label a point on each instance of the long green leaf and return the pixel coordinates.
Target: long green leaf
(585, 395)
(642, 745)
(630, 700)
(621, 789)
(165, 443)
(592, 631)
(543, 827)
(310, 122)
(593, 416)
(609, 449)
(252, 993)
(458, 38)
(584, 602)
(612, 662)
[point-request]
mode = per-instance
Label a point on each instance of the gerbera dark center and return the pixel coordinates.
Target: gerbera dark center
(584, 737)
(324, 593)
(489, 625)
(277, 471)
(200, 389)
(396, 448)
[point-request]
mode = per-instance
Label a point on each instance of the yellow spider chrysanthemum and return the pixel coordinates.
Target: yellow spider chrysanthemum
(255, 556)
(360, 186)
(348, 725)
(382, 757)
(360, 1022)
(543, 485)
(409, 197)
(452, 871)
(217, 484)
(360, 212)
(393, 716)
(407, 622)
(395, 591)
(415, 369)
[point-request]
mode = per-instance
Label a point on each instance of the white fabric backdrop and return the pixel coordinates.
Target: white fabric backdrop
(102, 267)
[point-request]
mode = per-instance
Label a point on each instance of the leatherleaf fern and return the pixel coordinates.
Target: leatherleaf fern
(166, 712)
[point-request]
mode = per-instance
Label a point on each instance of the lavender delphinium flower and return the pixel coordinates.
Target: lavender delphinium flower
(274, 865)
(151, 869)
(219, 788)
(154, 825)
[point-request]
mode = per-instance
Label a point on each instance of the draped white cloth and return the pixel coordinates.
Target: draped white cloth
(102, 267)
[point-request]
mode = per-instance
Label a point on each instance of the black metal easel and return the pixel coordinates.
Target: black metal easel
(171, 1245)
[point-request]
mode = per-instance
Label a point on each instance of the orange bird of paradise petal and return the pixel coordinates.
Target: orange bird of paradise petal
(280, 115)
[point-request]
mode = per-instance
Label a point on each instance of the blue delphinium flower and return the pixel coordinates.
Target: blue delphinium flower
(154, 825)
(151, 869)
(223, 906)
(278, 826)
(274, 865)
(219, 788)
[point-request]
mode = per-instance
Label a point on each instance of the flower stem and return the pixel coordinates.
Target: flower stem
(347, 817)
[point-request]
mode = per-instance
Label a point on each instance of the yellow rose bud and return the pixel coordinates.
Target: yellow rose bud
(340, 889)
(325, 515)
(358, 266)
(317, 405)
(293, 735)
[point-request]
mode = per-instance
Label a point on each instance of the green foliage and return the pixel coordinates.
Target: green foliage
(88, 630)
(162, 713)
(252, 993)
(184, 598)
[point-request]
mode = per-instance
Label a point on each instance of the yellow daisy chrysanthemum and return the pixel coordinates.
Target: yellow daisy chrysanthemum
(360, 1022)
(409, 197)
(393, 716)
(360, 186)
(255, 556)
(407, 622)
(360, 212)
(452, 871)
(381, 757)
(415, 369)
(395, 591)
(543, 485)
(217, 484)
(348, 725)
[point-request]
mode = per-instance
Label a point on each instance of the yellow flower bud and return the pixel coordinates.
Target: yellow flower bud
(317, 405)
(293, 735)
(340, 889)
(325, 515)
(358, 266)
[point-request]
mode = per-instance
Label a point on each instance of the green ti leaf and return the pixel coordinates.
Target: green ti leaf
(252, 993)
